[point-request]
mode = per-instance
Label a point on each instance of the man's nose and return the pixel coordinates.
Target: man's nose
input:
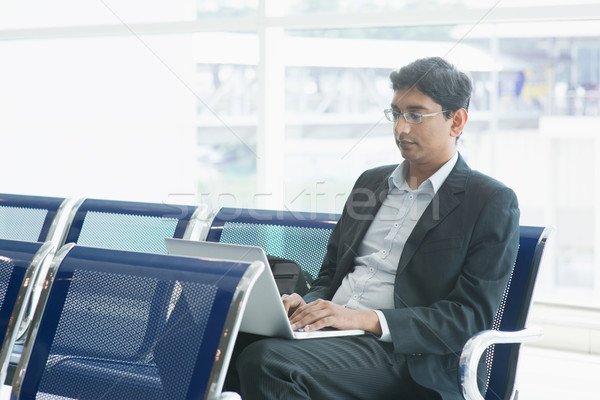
(401, 126)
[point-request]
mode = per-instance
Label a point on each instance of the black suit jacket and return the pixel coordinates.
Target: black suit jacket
(452, 272)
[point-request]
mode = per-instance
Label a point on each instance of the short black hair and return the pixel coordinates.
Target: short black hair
(437, 78)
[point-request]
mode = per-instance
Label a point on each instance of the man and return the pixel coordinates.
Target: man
(419, 259)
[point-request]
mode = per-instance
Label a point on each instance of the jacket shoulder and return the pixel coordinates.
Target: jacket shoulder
(483, 182)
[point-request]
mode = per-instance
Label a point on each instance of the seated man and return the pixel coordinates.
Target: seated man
(419, 259)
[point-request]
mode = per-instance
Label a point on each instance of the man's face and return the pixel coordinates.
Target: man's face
(433, 141)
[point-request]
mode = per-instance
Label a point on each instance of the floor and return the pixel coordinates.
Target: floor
(556, 375)
(543, 375)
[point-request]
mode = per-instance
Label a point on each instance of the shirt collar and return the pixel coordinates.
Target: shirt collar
(398, 176)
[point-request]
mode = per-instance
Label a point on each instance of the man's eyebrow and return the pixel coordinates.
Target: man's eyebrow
(409, 108)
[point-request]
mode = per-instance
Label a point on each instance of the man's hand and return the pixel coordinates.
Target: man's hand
(291, 302)
(322, 314)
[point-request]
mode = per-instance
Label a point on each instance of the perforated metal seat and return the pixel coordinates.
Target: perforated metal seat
(502, 343)
(96, 335)
(20, 264)
(133, 226)
(298, 236)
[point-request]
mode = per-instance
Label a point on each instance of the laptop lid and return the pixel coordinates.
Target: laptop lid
(264, 314)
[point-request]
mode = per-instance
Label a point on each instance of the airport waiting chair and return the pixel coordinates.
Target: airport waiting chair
(298, 236)
(38, 219)
(94, 335)
(33, 218)
(133, 226)
(502, 343)
(20, 265)
(120, 225)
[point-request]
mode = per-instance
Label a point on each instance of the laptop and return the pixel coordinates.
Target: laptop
(264, 314)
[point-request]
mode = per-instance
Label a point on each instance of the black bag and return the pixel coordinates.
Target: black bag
(289, 277)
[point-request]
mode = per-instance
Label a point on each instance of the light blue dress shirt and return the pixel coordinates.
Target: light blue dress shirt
(370, 286)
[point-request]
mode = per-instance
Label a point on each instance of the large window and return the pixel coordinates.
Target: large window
(279, 104)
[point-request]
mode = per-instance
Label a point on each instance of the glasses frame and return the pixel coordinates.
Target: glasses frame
(409, 116)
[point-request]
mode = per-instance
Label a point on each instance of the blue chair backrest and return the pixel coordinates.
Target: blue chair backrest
(27, 218)
(513, 312)
(298, 236)
(127, 225)
(95, 318)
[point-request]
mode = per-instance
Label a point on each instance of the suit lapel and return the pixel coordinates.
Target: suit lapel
(359, 226)
(442, 204)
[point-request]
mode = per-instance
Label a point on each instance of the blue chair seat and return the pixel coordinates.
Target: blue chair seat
(81, 377)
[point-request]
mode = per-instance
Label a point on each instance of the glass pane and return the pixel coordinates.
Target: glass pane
(227, 101)
(15, 14)
(336, 6)
(536, 3)
(226, 8)
(335, 126)
(532, 123)
(298, 7)
(547, 108)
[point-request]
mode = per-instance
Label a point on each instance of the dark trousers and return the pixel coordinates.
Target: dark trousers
(351, 367)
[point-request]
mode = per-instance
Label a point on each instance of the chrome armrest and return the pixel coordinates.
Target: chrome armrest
(228, 396)
(199, 224)
(474, 348)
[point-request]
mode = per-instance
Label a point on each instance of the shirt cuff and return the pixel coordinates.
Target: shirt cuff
(386, 336)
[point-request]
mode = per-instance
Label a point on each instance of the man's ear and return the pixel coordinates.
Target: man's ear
(459, 119)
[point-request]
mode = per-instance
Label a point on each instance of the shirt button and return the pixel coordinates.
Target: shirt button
(371, 269)
(383, 251)
(354, 296)
(396, 225)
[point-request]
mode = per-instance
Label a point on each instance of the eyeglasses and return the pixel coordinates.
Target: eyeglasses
(410, 117)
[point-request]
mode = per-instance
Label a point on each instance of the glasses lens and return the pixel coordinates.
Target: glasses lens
(414, 118)
(389, 114)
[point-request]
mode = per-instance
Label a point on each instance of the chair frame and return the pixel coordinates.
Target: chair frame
(15, 329)
(229, 334)
(478, 344)
(39, 311)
